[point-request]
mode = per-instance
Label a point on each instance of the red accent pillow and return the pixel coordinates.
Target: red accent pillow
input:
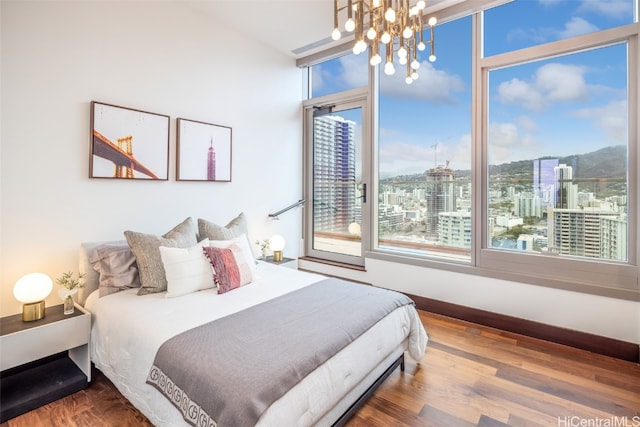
(231, 269)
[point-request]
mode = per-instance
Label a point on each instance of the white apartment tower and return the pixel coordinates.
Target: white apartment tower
(440, 196)
(334, 174)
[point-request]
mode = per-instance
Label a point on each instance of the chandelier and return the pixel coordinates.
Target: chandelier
(392, 23)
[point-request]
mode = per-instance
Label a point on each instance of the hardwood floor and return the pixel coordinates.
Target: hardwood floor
(470, 376)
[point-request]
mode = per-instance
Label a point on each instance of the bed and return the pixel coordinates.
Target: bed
(129, 329)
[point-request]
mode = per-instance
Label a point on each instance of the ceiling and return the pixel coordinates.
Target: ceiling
(285, 25)
(293, 27)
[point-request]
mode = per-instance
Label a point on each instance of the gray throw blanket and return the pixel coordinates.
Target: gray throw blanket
(229, 371)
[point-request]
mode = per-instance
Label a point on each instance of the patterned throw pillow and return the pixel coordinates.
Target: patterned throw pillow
(231, 268)
(235, 228)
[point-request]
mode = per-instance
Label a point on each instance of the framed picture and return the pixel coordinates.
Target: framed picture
(204, 151)
(128, 143)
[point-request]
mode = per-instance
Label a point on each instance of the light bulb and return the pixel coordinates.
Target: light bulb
(375, 60)
(371, 33)
(414, 75)
(432, 58)
(407, 33)
(350, 25)
(402, 60)
(336, 34)
(421, 46)
(402, 52)
(413, 11)
(376, 3)
(415, 64)
(385, 38)
(432, 21)
(389, 69)
(421, 4)
(390, 15)
(359, 47)
(408, 80)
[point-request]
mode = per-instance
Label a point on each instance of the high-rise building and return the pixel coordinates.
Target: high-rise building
(455, 229)
(566, 192)
(587, 232)
(211, 163)
(440, 196)
(544, 180)
(334, 174)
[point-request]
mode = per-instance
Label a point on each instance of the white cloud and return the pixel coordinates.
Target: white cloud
(509, 141)
(519, 92)
(560, 82)
(551, 83)
(611, 118)
(432, 85)
(399, 157)
(616, 9)
(576, 27)
(356, 70)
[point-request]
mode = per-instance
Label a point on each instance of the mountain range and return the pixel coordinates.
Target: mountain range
(609, 162)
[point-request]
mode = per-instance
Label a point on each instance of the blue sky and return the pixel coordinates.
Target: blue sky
(560, 106)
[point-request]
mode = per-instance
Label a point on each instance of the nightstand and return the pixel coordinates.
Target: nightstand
(286, 262)
(43, 360)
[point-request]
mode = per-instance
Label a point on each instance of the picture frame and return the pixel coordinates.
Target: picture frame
(204, 151)
(126, 143)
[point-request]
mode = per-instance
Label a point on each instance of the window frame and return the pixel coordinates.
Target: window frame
(572, 273)
(603, 278)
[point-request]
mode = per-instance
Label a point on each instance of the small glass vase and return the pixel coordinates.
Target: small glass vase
(68, 305)
(67, 299)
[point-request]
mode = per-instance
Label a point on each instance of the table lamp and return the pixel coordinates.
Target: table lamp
(276, 243)
(31, 290)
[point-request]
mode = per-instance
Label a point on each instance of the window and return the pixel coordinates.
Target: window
(557, 152)
(338, 75)
(526, 23)
(558, 147)
(515, 154)
(424, 153)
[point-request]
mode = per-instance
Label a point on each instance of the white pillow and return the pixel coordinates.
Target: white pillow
(241, 241)
(187, 269)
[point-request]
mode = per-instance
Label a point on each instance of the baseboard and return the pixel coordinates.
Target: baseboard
(582, 340)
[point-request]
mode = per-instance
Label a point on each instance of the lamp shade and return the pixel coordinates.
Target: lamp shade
(33, 287)
(276, 242)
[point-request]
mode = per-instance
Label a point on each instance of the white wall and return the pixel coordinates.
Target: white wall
(609, 317)
(162, 57)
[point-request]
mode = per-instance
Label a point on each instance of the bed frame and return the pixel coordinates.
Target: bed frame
(369, 392)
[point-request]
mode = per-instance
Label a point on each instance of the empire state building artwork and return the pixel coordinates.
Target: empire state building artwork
(204, 152)
(211, 163)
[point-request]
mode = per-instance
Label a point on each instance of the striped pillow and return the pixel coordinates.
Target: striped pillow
(231, 268)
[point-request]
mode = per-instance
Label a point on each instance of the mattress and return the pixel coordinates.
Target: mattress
(128, 329)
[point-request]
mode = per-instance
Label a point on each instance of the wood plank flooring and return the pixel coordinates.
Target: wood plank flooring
(470, 376)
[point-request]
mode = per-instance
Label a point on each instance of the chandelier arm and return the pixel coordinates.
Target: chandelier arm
(395, 23)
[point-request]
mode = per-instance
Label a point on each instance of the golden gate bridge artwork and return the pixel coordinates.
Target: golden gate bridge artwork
(121, 154)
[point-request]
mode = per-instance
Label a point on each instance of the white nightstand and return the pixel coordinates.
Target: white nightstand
(286, 262)
(43, 360)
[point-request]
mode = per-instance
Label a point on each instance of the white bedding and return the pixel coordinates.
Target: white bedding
(128, 329)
